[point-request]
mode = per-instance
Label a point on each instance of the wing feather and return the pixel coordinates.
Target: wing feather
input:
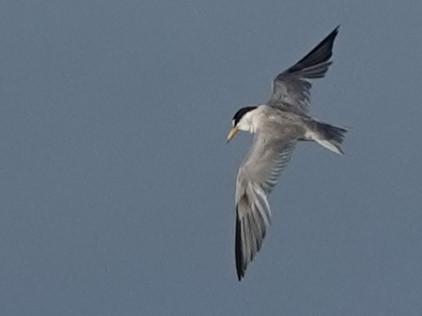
(257, 177)
(291, 88)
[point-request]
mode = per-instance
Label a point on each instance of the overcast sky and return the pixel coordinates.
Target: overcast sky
(117, 186)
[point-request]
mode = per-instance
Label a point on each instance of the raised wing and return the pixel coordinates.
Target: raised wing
(256, 178)
(291, 88)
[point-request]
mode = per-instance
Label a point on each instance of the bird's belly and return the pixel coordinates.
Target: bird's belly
(285, 131)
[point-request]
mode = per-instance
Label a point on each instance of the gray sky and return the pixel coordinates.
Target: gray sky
(117, 186)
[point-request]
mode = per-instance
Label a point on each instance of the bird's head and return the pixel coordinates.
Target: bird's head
(242, 120)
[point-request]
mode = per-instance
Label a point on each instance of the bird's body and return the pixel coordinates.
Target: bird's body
(278, 125)
(267, 119)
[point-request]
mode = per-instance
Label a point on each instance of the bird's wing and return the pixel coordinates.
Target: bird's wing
(256, 178)
(291, 88)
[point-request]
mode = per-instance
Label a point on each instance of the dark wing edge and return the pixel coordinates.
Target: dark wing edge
(291, 88)
(250, 233)
(240, 269)
(315, 64)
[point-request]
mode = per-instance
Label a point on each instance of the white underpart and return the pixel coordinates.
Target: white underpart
(323, 142)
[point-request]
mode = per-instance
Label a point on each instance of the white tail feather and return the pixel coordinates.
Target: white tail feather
(329, 144)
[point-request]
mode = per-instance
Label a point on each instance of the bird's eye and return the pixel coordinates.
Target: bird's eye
(233, 123)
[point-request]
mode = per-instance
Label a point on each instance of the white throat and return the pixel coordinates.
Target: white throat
(248, 122)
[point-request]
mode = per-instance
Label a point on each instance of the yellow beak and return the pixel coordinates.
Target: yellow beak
(232, 132)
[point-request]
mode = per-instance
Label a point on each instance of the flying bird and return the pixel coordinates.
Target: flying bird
(278, 125)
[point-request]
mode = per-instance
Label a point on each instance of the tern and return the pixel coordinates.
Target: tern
(278, 125)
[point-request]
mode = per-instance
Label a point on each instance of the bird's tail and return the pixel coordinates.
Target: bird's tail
(326, 135)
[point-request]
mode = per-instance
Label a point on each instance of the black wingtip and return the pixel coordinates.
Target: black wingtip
(330, 37)
(333, 34)
(326, 44)
(238, 250)
(319, 54)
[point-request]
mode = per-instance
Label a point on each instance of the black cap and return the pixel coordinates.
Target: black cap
(239, 114)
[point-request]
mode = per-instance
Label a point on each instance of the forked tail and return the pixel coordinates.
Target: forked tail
(326, 135)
